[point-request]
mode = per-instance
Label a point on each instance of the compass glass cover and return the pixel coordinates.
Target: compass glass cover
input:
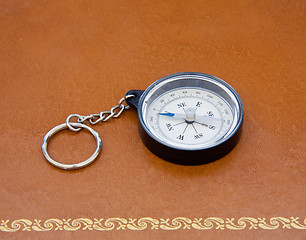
(190, 111)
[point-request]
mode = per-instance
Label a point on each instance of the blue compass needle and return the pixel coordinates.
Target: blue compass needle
(167, 114)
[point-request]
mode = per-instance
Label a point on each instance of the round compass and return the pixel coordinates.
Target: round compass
(189, 118)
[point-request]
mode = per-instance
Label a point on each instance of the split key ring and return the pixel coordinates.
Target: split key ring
(76, 166)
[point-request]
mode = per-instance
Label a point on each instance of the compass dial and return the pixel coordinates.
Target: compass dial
(190, 118)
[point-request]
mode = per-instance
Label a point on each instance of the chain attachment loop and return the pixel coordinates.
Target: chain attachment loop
(103, 116)
(75, 129)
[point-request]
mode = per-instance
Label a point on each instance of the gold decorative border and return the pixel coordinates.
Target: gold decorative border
(109, 224)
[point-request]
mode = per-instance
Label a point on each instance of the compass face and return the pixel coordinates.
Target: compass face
(190, 111)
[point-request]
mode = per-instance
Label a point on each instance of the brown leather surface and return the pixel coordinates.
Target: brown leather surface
(63, 57)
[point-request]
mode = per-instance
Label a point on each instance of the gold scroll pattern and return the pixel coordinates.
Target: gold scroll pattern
(109, 224)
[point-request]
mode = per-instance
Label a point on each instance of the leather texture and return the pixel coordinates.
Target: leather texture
(64, 57)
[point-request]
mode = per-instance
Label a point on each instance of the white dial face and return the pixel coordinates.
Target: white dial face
(189, 118)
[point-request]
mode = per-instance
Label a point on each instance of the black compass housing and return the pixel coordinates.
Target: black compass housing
(179, 155)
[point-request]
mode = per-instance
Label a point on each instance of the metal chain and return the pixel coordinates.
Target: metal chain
(103, 116)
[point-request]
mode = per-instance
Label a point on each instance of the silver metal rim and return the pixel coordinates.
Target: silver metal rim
(76, 166)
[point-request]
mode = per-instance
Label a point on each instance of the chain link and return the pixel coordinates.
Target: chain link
(103, 116)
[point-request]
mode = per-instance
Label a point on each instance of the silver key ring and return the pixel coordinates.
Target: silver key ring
(83, 164)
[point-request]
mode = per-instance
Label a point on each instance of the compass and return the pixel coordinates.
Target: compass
(188, 118)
